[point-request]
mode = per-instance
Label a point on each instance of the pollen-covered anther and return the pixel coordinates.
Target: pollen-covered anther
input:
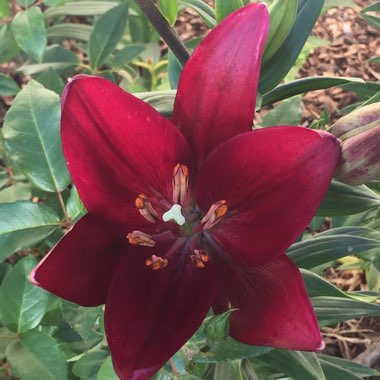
(156, 262)
(180, 183)
(140, 238)
(214, 214)
(199, 258)
(146, 209)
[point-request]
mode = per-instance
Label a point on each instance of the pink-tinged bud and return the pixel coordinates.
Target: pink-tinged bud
(360, 135)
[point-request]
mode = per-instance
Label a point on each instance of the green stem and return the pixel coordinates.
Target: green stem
(167, 33)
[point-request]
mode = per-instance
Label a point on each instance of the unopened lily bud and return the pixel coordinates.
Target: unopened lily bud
(360, 135)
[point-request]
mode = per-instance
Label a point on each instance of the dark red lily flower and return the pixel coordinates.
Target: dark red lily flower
(189, 213)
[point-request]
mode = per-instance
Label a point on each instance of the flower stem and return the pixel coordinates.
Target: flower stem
(167, 33)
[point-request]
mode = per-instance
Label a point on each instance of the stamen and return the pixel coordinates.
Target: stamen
(180, 183)
(216, 211)
(174, 214)
(146, 209)
(140, 238)
(156, 262)
(199, 258)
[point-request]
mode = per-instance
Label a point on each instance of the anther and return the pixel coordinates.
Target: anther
(216, 211)
(180, 183)
(199, 258)
(175, 215)
(140, 238)
(156, 262)
(146, 209)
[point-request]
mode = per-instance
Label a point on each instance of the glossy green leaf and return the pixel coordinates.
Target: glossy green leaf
(279, 65)
(8, 46)
(295, 364)
(342, 199)
(8, 86)
(23, 224)
(22, 305)
(375, 7)
(162, 101)
(29, 31)
(322, 249)
(51, 80)
(206, 13)
(289, 112)
(364, 91)
(82, 8)
(16, 192)
(37, 356)
(75, 207)
(106, 371)
(87, 367)
(169, 9)
(81, 319)
(31, 134)
(107, 32)
(300, 86)
(67, 30)
(372, 20)
(126, 55)
(223, 8)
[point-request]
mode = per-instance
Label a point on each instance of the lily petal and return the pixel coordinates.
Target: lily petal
(81, 265)
(217, 89)
(150, 314)
(273, 307)
(116, 147)
(273, 181)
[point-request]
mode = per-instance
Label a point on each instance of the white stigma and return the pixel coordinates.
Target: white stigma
(174, 214)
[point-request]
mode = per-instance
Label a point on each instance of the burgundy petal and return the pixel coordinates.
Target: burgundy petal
(150, 314)
(117, 147)
(81, 265)
(273, 181)
(273, 307)
(217, 90)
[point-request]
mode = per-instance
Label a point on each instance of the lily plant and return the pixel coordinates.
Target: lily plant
(191, 212)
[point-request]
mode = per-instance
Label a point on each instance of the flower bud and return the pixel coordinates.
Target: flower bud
(360, 135)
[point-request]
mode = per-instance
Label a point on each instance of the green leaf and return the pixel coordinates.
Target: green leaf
(51, 81)
(29, 31)
(372, 20)
(25, 3)
(289, 112)
(87, 367)
(342, 199)
(82, 8)
(127, 54)
(205, 12)
(295, 364)
(324, 249)
(31, 134)
(332, 310)
(169, 9)
(16, 192)
(4, 9)
(70, 30)
(375, 7)
(300, 86)
(23, 224)
(107, 32)
(279, 65)
(8, 46)
(106, 371)
(37, 356)
(162, 101)
(81, 319)
(8, 86)
(223, 8)
(75, 207)
(364, 91)
(22, 305)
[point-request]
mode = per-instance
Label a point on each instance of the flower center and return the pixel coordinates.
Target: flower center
(181, 222)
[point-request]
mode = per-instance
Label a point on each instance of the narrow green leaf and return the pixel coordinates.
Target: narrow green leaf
(22, 305)
(8, 46)
(223, 8)
(295, 364)
(289, 112)
(206, 13)
(87, 367)
(31, 134)
(372, 20)
(106, 371)
(169, 9)
(279, 65)
(342, 199)
(375, 7)
(82, 8)
(127, 54)
(8, 86)
(107, 32)
(364, 91)
(37, 356)
(300, 86)
(67, 30)
(29, 31)
(23, 224)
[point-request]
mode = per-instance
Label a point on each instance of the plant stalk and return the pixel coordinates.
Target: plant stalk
(167, 33)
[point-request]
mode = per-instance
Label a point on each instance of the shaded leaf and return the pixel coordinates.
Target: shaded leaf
(8, 86)
(289, 112)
